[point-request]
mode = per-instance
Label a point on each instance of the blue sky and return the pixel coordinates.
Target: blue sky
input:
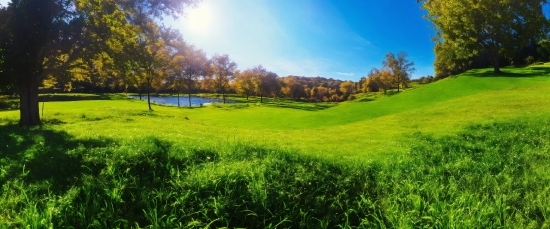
(340, 39)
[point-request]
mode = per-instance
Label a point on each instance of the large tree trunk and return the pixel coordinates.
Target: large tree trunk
(496, 69)
(28, 104)
(189, 96)
(496, 65)
(178, 98)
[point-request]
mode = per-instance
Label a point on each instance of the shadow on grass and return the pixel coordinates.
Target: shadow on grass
(528, 72)
(88, 181)
(151, 183)
(41, 155)
(12, 102)
(390, 93)
(79, 97)
(303, 106)
(366, 99)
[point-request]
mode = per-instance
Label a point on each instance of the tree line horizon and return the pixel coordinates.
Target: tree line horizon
(254, 81)
(120, 44)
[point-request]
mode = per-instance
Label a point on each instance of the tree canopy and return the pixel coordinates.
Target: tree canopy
(399, 67)
(51, 38)
(222, 69)
(465, 28)
(122, 44)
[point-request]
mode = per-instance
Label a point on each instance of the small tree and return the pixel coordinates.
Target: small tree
(243, 82)
(292, 88)
(529, 60)
(153, 57)
(264, 82)
(347, 89)
(384, 80)
(399, 68)
(319, 93)
(222, 69)
(193, 66)
(379, 79)
(271, 84)
(370, 84)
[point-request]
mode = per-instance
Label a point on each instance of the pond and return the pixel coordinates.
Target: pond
(184, 100)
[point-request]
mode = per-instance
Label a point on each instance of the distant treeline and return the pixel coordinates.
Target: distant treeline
(293, 87)
(219, 75)
(314, 89)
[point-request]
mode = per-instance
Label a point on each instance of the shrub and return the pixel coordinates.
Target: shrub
(529, 60)
(4, 104)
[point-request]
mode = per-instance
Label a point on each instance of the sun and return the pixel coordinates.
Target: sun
(199, 18)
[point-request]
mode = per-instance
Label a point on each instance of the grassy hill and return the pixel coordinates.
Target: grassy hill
(447, 154)
(364, 129)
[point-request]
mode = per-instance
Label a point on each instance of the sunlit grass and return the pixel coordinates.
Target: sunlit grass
(361, 129)
(468, 151)
(492, 175)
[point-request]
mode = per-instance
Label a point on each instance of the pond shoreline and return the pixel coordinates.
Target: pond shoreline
(196, 101)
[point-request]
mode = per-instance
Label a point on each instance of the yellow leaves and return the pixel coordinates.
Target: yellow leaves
(243, 82)
(346, 87)
(68, 86)
(379, 80)
(178, 58)
(49, 82)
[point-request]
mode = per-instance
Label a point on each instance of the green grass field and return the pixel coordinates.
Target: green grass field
(355, 129)
(467, 151)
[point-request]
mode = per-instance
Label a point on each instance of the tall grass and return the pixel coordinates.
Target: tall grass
(488, 176)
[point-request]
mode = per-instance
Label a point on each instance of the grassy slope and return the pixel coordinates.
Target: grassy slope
(365, 129)
(94, 166)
